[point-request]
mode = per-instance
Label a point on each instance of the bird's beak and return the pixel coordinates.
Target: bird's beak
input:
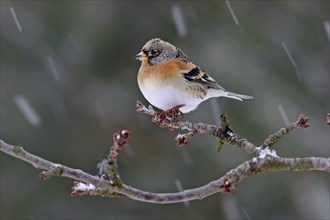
(141, 56)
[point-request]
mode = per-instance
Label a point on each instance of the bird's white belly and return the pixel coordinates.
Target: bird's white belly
(165, 96)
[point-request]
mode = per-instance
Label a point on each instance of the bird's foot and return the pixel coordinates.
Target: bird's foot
(168, 117)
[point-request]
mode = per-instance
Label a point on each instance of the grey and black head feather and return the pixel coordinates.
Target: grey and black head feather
(159, 51)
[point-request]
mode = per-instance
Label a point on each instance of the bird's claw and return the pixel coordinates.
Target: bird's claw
(166, 118)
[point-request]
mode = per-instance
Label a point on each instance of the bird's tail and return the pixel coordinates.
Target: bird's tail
(236, 96)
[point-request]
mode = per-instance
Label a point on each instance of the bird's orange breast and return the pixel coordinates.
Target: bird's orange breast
(163, 71)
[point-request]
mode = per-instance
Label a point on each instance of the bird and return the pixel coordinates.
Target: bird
(169, 79)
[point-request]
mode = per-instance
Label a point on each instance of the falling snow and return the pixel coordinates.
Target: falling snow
(216, 111)
(29, 113)
(179, 21)
(53, 69)
(245, 213)
(326, 25)
(179, 187)
(232, 12)
(74, 41)
(283, 114)
(293, 62)
(13, 14)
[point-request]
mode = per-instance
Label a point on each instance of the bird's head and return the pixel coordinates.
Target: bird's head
(157, 51)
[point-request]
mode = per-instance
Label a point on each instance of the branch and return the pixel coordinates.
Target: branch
(40, 163)
(109, 183)
(99, 186)
(273, 138)
(224, 134)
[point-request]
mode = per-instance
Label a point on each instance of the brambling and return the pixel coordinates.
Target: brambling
(167, 78)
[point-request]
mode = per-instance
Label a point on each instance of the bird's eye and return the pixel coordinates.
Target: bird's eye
(154, 52)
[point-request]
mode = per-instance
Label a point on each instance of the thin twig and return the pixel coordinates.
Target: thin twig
(273, 138)
(120, 140)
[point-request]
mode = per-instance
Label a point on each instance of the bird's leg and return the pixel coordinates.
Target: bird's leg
(170, 115)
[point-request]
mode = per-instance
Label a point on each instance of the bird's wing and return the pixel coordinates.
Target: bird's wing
(198, 76)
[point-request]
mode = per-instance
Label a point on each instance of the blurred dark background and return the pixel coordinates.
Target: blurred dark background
(68, 82)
